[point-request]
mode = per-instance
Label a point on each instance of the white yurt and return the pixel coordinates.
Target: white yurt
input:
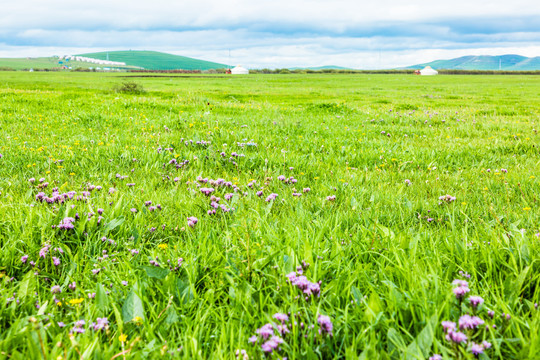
(239, 70)
(428, 70)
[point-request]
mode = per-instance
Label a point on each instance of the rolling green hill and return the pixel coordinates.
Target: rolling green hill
(153, 60)
(485, 62)
(42, 63)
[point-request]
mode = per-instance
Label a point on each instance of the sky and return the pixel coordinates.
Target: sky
(276, 33)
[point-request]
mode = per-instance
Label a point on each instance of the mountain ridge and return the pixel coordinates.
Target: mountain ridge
(508, 62)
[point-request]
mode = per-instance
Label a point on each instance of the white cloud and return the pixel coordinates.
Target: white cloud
(278, 33)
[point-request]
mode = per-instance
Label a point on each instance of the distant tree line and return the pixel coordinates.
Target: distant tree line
(303, 71)
(177, 71)
(389, 71)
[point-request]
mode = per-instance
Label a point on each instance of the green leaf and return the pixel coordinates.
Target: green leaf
(90, 349)
(184, 290)
(374, 306)
(133, 307)
(289, 261)
(102, 300)
(43, 308)
(357, 294)
(368, 353)
(396, 345)
(421, 346)
(172, 316)
(113, 224)
(156, 272)
(118, 316)
(27, 286)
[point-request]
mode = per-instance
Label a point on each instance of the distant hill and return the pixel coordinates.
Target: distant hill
(485, 62)
(52, 62)
(325, 67)
(154, 60)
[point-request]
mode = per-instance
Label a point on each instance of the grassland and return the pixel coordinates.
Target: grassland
(154, 60)
(373, 232)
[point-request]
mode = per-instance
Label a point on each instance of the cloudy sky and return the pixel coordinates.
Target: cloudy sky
(275, 33)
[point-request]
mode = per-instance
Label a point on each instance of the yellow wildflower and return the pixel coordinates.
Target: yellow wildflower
(76, 301)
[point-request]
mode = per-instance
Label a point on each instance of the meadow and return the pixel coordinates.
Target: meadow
(269, 216)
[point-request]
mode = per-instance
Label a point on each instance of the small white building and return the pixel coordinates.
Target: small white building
(428, 70)
(239, 70)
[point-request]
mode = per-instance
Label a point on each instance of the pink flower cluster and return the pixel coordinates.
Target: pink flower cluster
(462, 288)
(447, 198)
(192, 221)
(307, 287)
(66, 224)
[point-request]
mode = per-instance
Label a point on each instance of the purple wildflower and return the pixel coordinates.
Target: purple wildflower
(456, 337)
(448, 326)
(56, 289)
(192, 221)
(79, 327)
(44, 250)
(56, 261)
(100, 324)
(67, 223)
(281, 317)
(461, 289)
(326, 324)
(265, 331)
(477, 349)
(24, 258)
(475, 301)
(447, 198)
(282, 329)
(271, 344)
(291, 276)
(207, 191)
(469, 322)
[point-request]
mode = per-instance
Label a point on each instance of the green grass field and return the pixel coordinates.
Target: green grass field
(345, 209)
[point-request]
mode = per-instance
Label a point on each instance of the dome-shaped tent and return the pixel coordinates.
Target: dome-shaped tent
(239, 70)
(428, 71)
